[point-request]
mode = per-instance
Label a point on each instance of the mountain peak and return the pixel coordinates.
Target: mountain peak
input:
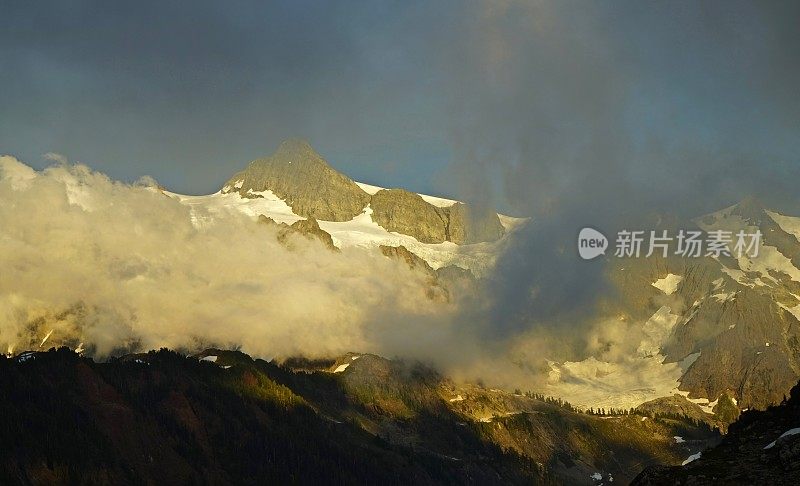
(751, 203)
(296, 151)
(750, 209)
(295, 145)
(300, 176)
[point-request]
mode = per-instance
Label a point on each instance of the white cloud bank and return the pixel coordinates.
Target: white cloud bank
(121, 267)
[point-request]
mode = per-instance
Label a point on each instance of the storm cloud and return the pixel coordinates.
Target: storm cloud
(608, 115)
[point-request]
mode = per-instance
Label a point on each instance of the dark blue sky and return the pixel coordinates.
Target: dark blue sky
(518, 103)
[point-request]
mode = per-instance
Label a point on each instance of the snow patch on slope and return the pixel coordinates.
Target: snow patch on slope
(369, 188)
(629, 381)
(789, 432)
(794, 310)
(656, 331)
(205, 209)
(668, 284)
(361, 231)
(703, 403)
(595, 383)
(769, 258)
(436, 201)
(724, 297)
(691, 458)
(341, 368)
(789, 224)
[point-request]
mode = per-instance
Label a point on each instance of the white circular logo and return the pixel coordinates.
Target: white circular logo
(591, 243)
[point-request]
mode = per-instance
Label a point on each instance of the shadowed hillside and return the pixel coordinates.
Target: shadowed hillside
(762, 447)
(161, 418)
(223, 418)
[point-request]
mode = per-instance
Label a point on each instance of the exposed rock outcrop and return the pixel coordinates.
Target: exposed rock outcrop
(412, 260)
(468, 225)
(313, 189)
(306, 228)
(301, 177)
(404, 212)
(295, 183)
(734, 320)
(407, 213)
(746, 344)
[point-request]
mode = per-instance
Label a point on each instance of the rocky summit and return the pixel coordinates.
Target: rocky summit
(298, 175)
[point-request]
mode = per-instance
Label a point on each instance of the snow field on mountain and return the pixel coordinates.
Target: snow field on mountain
(360, 232)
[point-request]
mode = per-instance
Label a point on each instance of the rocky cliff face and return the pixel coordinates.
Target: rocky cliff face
(747, 344)
(412, 260)
(313, 189)
(405, 212)
(467, 225)
(736, 324)
(306, 228)
(299, 176)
